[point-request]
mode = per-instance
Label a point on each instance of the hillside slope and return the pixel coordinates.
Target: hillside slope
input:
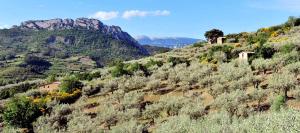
(68, 45)
(200, 88)
(69, 37)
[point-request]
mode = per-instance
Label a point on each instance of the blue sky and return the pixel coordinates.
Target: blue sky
(158, 18)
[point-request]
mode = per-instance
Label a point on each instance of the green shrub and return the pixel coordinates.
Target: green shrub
(118, 70)
(131, 126)
(36, 64)
(178, 60)
(51, 78)
(69, 84)
(91, 90)
(55, 122)
(287, 48)
(199, 44)
(278, 103)
(215, 51)
(265, 52)
(21, 112)
(261, 37)
(152, 62)
(10, 90)
(282, 82)
(88, 76)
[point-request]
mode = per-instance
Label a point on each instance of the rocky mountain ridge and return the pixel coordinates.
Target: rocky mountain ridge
(79, 23)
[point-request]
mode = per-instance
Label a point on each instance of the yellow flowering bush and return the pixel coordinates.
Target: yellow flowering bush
(65, 97)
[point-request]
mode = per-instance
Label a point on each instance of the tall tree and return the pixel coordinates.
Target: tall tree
(213, 35)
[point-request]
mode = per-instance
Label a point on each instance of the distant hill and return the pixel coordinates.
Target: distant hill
(68, 45)
(67, 37)
(169, 42)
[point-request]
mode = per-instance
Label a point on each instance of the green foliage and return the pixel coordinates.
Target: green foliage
(56, 121)
(131, 126)
(51, 78)
(91, 90)
(36, 64)
(10, 90)
(218, 54)
(69, 84)
(293, 21)
(278, 102)
(87, 76)
(152, 62)
(283, 82)
(287, 48)
(178, 60)
(199, 44)
(119, 70)
(21, 112)
(263, 51)
(213, 35)
(260, 38)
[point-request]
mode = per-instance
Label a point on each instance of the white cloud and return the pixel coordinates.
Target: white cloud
(102, 15)
(137, 13)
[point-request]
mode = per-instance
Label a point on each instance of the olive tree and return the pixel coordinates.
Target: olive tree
(282, 81)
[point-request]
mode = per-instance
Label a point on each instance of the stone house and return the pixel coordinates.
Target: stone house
(221, 40)
(244, 56)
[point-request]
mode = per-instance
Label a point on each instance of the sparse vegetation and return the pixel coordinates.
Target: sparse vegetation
(201, 88)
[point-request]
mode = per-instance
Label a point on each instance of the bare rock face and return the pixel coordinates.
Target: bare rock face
(80, 23)
(60, 24)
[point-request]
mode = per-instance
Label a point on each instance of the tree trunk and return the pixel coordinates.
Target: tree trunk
(285, 94)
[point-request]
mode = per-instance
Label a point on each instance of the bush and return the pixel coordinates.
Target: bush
(88, 76)
(119, 70)
(56, 121)
(21, 112)
(132, 68)
(265, 52)
(10, 90)
(153, 63)
(91, 90)
(64, 97)
(199, 44)
(131, 126)
(177, 60)
(51, 78)
(283, 82)
(36, 64)
(217, 54)
(69, 84)
(278, 103)
(287, 48)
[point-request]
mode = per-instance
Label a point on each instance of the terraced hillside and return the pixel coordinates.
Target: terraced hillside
(201, 88)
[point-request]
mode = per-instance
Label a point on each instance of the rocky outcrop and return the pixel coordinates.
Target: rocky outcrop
(80, 23)
(56, 24)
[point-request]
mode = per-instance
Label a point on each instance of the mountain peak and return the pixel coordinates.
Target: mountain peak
(79, 23)
(58, 23)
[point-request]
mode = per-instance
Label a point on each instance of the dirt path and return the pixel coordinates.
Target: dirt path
(50, 87)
